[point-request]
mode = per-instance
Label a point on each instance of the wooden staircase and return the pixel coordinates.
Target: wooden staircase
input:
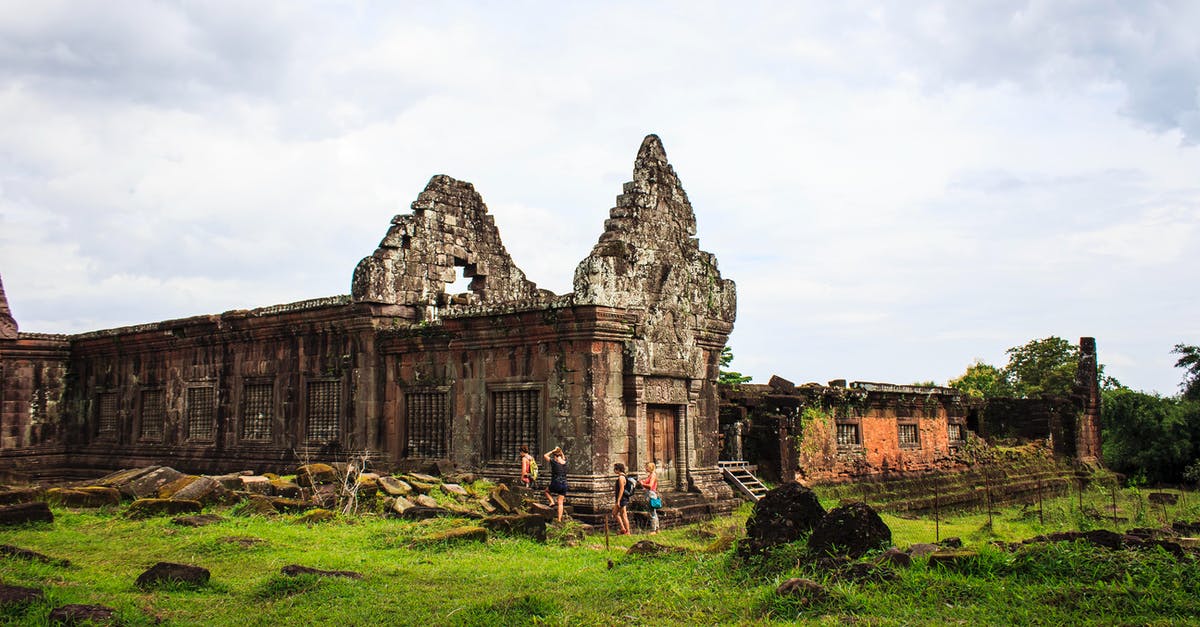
(743, 481)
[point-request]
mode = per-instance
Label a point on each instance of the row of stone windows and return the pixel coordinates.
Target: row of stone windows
(323, 417)
(515, 416)
(849, 435)
(514, 419)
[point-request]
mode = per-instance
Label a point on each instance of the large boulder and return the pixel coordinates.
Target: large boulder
(851, 530)
(782, 515)
(24, 513)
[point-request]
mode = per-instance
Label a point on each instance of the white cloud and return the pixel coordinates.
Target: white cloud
(895, 191)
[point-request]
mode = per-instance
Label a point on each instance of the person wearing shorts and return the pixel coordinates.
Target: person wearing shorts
(556, 492)
(620, 509)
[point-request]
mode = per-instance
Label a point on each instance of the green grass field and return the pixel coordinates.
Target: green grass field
(512, 581)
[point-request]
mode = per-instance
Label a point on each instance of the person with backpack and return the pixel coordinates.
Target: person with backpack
(529, 468)
(655, 501)
(622, 493)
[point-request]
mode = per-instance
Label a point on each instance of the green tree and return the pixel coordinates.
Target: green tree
(1042, 367)
(1189, 360)
(730, 377)
(982, 380)
(1148, 436)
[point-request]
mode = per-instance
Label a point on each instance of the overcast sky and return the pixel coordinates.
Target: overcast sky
(897, 188)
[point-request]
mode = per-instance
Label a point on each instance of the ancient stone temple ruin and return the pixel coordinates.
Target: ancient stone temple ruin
(623, 369)
(839, 432)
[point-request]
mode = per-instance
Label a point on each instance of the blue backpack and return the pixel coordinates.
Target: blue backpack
(630, 486)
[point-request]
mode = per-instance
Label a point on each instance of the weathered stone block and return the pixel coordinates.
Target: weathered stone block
(145, 508)
(171, 573)
(394, 486)
(79, 614)
(25, 513)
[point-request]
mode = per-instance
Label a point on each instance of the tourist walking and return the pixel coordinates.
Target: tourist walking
(622, 491)
(651, 485)
(529, 469)
(557, 490)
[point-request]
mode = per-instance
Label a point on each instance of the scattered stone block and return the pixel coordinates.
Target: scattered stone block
(92, 496)
(1190, 544)
(782, 515)
(148, 484)
(290, 506)
(311, 475)
(79, 614)
(201, 520)
(399, 505)
(648, 547)
(421, 486)
(122, 477)
(424, 500)
(455, 535)
(326, 495)
(257, 485)
(498, 497)
(14, 496)
(257, 506)
(294, 570)
(456, 490)
(168, 572)
(444, 468)
(951, 558)
(895, 558)
(953, 542)
(422, 477)
(168, 490)
(19, 595)
(851, 530)
(418, 512)
(543, 510)
(145, 508)
(806, 591)
(394, 486)
(9, 550)
(527, 525)
(284, 488)
(1163, 498)
(315, 516)
(232, 481)
(923, 548)
(204, 489)
(25, 513)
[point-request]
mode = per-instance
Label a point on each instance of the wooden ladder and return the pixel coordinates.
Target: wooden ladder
(739, 476)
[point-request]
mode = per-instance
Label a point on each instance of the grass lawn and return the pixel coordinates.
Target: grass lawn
(513, 581)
